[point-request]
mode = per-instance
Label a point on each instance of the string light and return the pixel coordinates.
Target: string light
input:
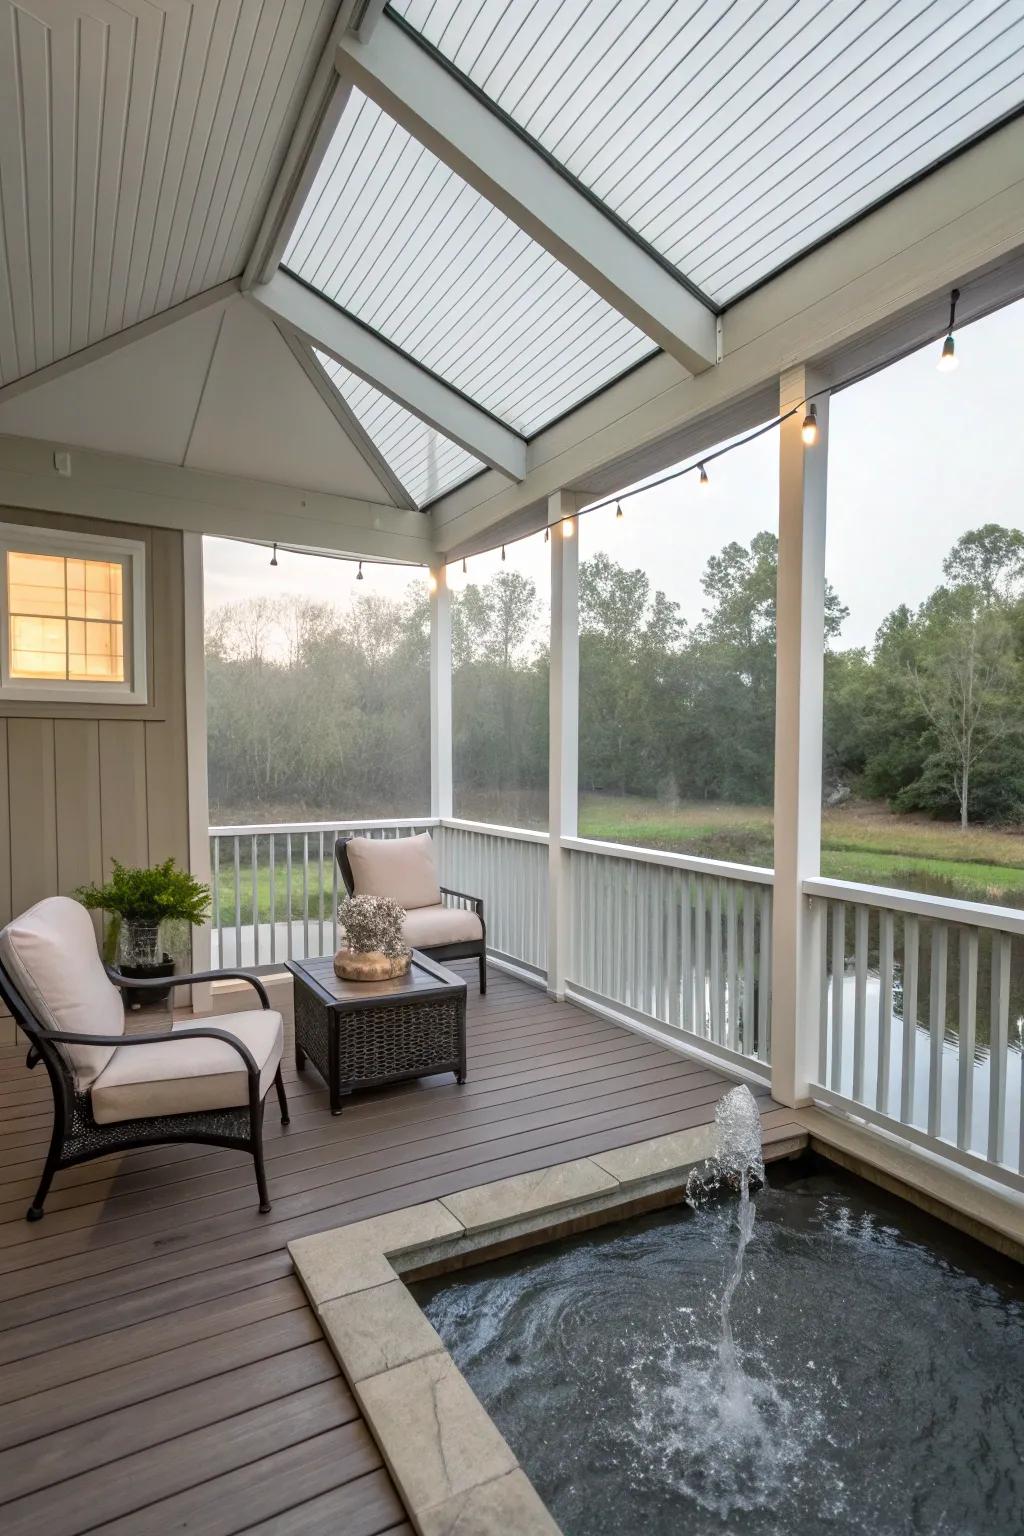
(503, 552)
(431, 582)
(618, 509)
(568, 528)
(704, 482)
(948, 358)
(547, 534)
(359, 573)
(809, 430)
(273, 558)
(463, 565)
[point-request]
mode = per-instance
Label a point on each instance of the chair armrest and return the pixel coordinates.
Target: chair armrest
(158, 982)
(477, 901)
(200, 1032)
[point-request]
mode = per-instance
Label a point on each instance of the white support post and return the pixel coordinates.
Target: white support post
(800, 645)
(440, 692)
(195, 750)
(563, 712)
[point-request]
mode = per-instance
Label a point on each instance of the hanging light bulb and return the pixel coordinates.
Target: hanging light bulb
(618, 509)
(503, 552)
(359, 573)
(547, 534)
(273, 558)
(568, 528)
(948, 358)
(431, 582)
(809, 430)
(704, 482)
(463, 565)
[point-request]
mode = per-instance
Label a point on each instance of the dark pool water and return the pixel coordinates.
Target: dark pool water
(881, 1380)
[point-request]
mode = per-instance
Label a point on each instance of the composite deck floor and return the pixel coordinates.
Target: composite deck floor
(159, 1368)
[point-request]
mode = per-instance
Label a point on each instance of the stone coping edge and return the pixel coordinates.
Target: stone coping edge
(453, 1468)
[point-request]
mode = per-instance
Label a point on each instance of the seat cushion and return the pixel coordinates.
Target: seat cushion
(403, 868)
(427, 927)
(50, 954)
(172, 1078)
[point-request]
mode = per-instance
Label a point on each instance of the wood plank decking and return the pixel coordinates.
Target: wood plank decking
(159, 1368)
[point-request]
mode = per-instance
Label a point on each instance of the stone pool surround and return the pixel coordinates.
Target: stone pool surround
(455, 1472)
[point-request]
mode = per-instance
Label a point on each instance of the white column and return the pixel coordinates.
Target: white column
(440, 692)
(800, 628)
(563, 715)
(195, 749)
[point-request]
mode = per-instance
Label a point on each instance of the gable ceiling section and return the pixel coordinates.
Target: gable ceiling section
(138, 143)
(140, 399)
(262, 418)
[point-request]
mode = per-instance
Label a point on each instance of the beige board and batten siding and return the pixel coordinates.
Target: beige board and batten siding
(81, 784)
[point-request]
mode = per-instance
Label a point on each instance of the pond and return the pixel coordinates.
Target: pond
(877, 1383)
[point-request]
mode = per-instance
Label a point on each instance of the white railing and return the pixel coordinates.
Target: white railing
(684, 943)
(920, 1021)
(276, 887)
(508, 867)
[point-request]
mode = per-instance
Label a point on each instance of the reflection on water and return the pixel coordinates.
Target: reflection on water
(884, 1356)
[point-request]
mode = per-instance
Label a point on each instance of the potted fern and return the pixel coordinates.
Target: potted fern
(139, 903)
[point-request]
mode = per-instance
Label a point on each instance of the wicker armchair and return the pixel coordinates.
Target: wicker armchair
(203, 1080)
(443, 923)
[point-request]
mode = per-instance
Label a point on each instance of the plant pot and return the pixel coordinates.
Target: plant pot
(147, 997)
(355, 965)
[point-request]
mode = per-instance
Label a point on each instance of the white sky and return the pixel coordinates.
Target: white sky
(916, 457)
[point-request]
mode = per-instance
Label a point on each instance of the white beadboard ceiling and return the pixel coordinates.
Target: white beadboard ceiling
(139, 141)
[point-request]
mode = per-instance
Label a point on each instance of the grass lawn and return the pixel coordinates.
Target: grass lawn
(860, 841)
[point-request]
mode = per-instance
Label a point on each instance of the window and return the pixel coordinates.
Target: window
(72, 617)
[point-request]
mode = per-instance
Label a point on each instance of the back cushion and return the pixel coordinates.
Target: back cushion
(400, 867)
(50, 954)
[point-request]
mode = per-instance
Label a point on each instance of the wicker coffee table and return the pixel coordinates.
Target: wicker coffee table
(360, 1034)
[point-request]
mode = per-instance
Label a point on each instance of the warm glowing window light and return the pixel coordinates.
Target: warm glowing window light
(66, 618)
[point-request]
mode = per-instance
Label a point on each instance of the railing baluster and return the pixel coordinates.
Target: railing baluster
(936, 1026)
(273, 898)
(217, 924)
(700, 975)
(305, 895)
(998, 1056)
(288, 885)
(686, 960)
(254, 861)
(731, 969)
(860, 998)
(966, 1019)
(238, 903)
(910, 974)
(674, 943)
(715, 940)
(335, 897)
(885, 974)
(747, 1018)
(764, 990)
(838, 974)
(320, 883)
(823, 991)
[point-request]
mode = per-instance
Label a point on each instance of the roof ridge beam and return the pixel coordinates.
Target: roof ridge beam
(361, 350)
(426, 99)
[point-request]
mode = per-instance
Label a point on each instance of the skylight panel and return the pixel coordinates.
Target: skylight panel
(425, 461)
(403, 244)
(732, 137)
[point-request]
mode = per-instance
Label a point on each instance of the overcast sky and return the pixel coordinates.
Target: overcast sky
(916, 458)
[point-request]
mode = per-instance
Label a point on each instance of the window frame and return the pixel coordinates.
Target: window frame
(130, 554)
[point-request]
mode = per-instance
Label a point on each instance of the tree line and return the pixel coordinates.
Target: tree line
(325, 711)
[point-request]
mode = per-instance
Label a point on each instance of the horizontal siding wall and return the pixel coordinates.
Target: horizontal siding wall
(80, 784)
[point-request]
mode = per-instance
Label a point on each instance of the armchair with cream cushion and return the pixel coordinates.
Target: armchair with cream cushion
(204, 1080)
(443, 923)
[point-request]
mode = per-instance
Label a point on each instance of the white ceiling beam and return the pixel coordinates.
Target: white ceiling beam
(388, 369)
(429, 102)
(872, 293)
(346, 417)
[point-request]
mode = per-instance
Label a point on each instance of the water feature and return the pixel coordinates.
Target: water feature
(833, 1359)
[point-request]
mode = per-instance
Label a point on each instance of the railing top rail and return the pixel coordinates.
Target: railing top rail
(944, 908)
(491, 829)
(748, 874)
(377, 824)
